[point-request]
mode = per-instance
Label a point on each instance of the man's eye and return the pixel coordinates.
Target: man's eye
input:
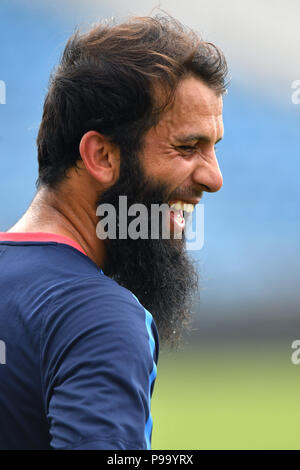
(187, 148)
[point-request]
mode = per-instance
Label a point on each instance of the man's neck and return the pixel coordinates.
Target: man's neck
(57, 212)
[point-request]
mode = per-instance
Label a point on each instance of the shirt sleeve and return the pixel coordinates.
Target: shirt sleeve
(99, 351)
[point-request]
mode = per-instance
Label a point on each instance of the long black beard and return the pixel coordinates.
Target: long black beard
(158, 272)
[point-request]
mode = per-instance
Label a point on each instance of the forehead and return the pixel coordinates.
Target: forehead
(196, 109)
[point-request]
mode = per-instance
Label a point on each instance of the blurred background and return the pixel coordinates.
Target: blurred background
(232, 384)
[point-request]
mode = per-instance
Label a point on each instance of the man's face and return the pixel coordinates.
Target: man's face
(180, 150)
(177, 163)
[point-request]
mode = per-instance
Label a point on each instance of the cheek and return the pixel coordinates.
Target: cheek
(157, 161)
(176, 173)
(165, 164)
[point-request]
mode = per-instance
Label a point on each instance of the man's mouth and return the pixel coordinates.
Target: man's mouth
(177, 209)
(181, 206)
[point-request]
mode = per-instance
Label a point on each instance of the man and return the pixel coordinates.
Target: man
(133, 109)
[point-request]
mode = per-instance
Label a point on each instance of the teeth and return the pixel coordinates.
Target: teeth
(180, 205)
(189, 207)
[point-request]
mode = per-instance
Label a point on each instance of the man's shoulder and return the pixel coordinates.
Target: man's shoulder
(97, 303)
(60, 282)
(93, 287)
(99, 315)
(43, 261)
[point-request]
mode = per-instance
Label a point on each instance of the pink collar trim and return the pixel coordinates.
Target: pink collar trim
(39, 237)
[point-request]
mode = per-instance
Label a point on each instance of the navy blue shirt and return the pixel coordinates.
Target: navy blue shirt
(78, 351)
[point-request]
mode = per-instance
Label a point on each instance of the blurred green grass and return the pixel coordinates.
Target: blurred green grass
(245, 396)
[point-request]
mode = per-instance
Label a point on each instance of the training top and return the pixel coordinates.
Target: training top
(78, 352)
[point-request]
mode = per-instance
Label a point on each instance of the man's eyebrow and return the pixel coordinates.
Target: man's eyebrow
(187, 139)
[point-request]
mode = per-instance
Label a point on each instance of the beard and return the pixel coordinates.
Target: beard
(159, 271)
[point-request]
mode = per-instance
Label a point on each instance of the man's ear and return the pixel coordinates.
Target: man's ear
(100, 157)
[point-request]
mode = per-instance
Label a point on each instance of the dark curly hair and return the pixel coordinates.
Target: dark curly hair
(107, 81)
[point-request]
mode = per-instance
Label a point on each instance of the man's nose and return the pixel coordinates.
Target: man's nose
(208, 175)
